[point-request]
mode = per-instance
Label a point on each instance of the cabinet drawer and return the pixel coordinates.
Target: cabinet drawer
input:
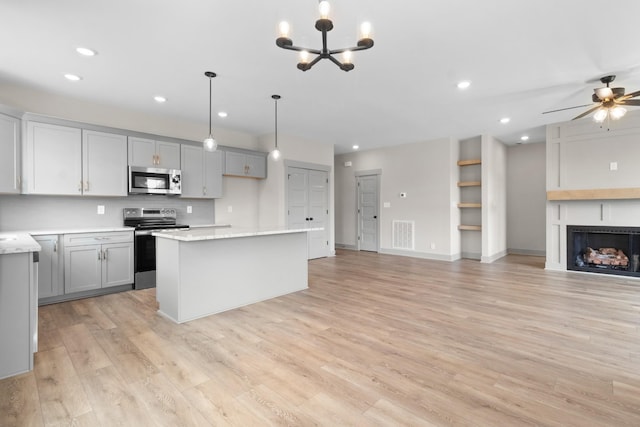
(97, 238)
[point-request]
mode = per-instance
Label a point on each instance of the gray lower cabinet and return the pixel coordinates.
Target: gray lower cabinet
(97, 260)
(50, 280)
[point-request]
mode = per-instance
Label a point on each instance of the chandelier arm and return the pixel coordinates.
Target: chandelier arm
(314, 62)
(352, 49)
(335, 61)
(300, 49)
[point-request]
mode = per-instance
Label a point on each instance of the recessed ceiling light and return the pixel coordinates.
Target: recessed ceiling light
(355, 147)
(222, 114)
(85, 51)
(505, 120)
(160, 99)
(72, 77)
(464, 84)
(524, 138)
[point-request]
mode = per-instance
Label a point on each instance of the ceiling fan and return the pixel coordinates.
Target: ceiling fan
(609, 102)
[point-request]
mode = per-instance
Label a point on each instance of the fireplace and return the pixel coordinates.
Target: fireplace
(608, 250)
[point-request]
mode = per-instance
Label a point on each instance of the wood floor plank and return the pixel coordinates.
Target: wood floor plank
(62, 397)
(20, 402)
(375, 340)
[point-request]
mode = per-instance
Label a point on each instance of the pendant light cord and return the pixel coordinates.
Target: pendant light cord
(276, 123)
(210, 105)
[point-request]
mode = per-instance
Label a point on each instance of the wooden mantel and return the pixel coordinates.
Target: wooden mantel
(595, 194)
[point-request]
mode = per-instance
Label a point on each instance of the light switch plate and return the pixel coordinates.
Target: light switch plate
(189, 209)
(387, 204)
(613, 166)
(229, 209)
(100, 209)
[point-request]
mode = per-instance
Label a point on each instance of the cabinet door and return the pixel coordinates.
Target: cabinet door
(48, 267)
(82, 268)
(104, 164)
(234, 163)
(9, 154)
(54, 159)
(168, 155)
(142, 152)
(256, 166)
(192, 171)
(117, 264)
(212, 174)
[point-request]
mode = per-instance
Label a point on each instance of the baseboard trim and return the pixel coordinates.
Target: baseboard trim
(471, 255)
(532, 252)
(348, 247)
(494, 257)
(422, 255)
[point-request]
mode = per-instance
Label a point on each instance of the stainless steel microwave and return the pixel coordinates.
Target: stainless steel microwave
(154, 181)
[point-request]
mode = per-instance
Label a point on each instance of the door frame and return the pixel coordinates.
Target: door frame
(358, 174)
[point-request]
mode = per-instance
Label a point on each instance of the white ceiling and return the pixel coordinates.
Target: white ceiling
(522, 58)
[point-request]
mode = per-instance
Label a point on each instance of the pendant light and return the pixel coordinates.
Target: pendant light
(209, 142)
(275, 154)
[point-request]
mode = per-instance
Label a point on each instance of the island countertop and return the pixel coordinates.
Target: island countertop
(211, 233)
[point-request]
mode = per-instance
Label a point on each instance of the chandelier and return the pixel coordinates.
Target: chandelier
(324, 25)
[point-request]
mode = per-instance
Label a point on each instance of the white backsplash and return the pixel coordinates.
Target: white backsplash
(31, 212)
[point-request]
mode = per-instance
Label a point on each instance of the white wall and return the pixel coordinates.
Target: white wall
(427, 172)
(526, 199)
(579, 155)
(239, 194)
(494, 199)
(272, 196)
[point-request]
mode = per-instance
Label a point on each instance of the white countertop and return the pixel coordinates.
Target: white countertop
(78, 230)
(210, 233)
(16, 243)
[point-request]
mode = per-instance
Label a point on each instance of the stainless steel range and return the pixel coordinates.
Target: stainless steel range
(146, 221)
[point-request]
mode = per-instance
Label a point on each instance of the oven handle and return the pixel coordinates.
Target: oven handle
(144, 232)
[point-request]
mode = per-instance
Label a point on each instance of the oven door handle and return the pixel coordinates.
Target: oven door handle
(144, 232)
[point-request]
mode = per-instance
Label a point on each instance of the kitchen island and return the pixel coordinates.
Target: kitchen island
(209, 270)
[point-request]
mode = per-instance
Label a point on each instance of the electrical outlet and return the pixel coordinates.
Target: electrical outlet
(189, 209)
(100, 209)
(613, 166)
(433, 245)
(229, 209)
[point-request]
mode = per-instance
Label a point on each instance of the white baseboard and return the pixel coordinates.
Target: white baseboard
(531, 252)
(494, 257)
(423, 255)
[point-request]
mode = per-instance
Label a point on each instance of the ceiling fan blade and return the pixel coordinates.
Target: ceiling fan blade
(568, 108)
(586, 113)
(629, 95)
(604, 93)
(634, 102)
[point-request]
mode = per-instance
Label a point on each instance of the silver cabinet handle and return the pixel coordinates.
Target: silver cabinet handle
(104, 255)
(80, 187)
(55, 246)
(99, 255)
(86, 186)
(204, 190)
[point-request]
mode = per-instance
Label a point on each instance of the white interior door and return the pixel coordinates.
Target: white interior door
(368, 213)
(307, 206)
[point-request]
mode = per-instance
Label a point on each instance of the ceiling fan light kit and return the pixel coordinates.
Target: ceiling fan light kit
(324, 25)
(610, 102)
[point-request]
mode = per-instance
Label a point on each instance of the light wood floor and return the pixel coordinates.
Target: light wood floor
(375, 341)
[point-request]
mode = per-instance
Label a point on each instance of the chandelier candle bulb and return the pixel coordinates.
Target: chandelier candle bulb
(365, 30)
(284, 29)
(346, 56)
(324, 9)
(304, 57)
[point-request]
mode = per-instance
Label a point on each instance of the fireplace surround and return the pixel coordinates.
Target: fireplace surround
(618, 249)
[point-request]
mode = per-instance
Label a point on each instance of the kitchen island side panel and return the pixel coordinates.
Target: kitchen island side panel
(221, 274)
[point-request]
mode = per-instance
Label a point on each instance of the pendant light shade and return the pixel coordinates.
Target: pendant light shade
(275, 154)
(209, 142)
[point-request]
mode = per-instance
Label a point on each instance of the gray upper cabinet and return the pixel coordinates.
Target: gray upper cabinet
(69, 161)
(104, 164)
(245, 164)
(53, 163)
(201, 172)
(153, 154)
(9, 154)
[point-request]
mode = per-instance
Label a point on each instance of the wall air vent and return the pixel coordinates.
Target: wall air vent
(403, 235)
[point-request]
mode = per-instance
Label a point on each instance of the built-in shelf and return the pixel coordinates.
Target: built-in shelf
(469, 162)
(470, 227)
(469, 205)
(469, 184)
